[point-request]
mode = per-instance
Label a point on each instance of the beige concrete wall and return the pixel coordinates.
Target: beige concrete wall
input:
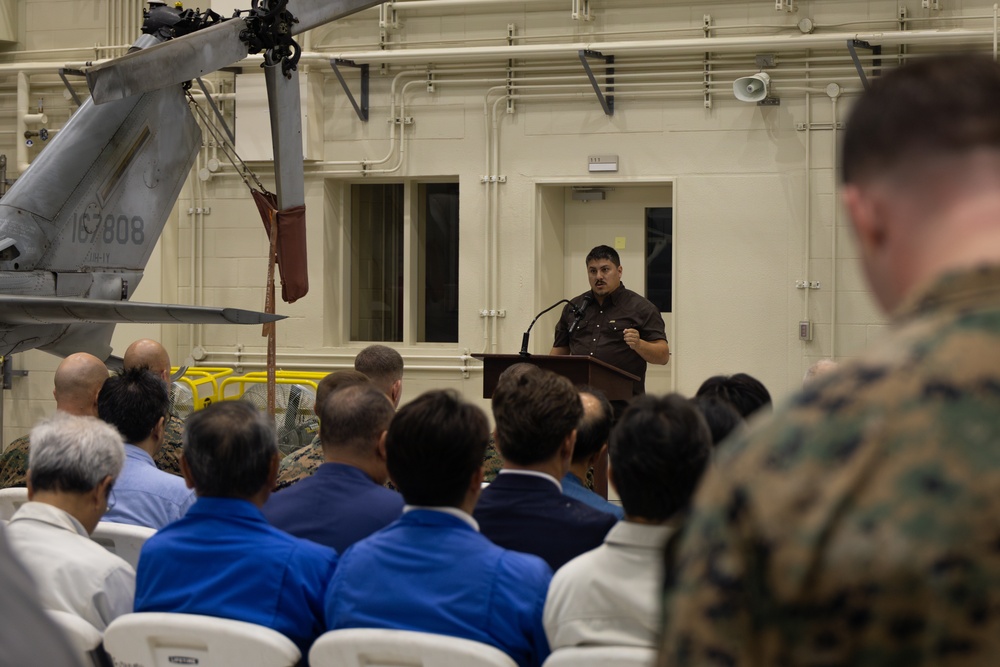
(754, 192)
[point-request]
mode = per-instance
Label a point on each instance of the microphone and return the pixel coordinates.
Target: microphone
(587, 300)
(524, 339)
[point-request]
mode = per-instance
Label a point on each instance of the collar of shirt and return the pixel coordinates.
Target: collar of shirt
(50, 514)
(138, 454)
(638, 535)
(227, 507)
(453, 511)
(533, 473)
(611, 298)
(572, 480)
(953, 291)
(343, 470)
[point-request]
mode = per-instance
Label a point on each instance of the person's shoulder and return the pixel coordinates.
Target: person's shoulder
(303, 551)
(583, 513)
(531, 570)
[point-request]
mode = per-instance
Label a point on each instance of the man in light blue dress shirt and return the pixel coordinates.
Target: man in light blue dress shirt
(136, 402)
(431, 570)
(591, 450)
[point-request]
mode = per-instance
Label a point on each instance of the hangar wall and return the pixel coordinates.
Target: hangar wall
(752, 187)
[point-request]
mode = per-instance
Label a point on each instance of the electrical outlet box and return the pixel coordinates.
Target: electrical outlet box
(805, 330)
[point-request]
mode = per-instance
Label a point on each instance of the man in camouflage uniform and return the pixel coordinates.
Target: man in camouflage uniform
(78, 380)
(303, 463)
(152, 355)
(861, 524)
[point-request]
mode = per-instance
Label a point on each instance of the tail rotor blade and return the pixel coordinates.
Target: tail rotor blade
(286, 135)
(169, 63)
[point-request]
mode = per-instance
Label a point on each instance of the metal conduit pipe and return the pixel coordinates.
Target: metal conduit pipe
(673, 46)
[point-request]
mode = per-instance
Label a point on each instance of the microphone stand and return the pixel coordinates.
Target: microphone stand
(524, 339)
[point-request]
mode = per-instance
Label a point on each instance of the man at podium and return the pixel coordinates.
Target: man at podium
(612, 323)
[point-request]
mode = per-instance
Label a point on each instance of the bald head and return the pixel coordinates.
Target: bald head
(78, 381)
(150, 354)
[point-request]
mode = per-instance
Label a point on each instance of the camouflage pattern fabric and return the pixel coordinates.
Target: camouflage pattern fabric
(300, 464)
(492, 462)
(168, 458)
(14, 464)
(860, 525)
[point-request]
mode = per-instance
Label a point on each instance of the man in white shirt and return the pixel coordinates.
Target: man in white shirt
(612, 595)
(73, 463)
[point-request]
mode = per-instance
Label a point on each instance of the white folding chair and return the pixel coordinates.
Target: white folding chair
(10, 500)
(600, 656)
(123, 540)
(365, 647)
(153, 639)
(85, 638)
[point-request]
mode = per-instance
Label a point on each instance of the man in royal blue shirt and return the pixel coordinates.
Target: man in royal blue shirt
(136, 402)
(344, 501)
(591, 450)
(431, 571)
(223, 559)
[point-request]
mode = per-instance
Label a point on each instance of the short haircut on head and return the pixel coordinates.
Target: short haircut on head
(149, 353)
(658, 451)
(930, 108)
(73, 454)
(380, 363)
(745, 393)
(534, 413)
(133, 401)
(229, 447)
(434, 444)
(594, 428)
(720, 415)
(604, 252)
(354, 417)
(336, 381)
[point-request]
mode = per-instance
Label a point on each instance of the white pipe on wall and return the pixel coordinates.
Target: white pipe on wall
(746, 44)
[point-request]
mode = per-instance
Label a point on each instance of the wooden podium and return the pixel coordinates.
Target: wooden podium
(613, 381)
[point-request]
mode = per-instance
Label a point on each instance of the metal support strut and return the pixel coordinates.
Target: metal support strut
(876, 50)
(362, 109)
(605, 97)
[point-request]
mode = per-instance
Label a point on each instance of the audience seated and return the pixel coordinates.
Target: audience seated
(73, 464)
(380, 364)
(431, 570)
(611, 595)
(720, 415)
(150, 354)
(78, 379)
(591, 447)
(345, 500)
(524, 509)
(745, 393)
(136, 403)
(223, 559)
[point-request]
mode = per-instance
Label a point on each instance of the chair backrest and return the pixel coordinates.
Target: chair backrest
(154, 639)
(10, 500)
(123, 540)
(599, 656)
(84, 638)
(402, 648)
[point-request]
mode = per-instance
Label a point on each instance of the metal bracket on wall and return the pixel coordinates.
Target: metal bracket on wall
(852, 45)
(605, 97)
(362, 109)
(63, 71)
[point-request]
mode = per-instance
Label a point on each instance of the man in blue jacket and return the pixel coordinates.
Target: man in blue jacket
(431, 571)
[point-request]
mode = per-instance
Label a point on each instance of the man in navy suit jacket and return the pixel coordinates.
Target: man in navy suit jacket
(344, 501)
(524, 509)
